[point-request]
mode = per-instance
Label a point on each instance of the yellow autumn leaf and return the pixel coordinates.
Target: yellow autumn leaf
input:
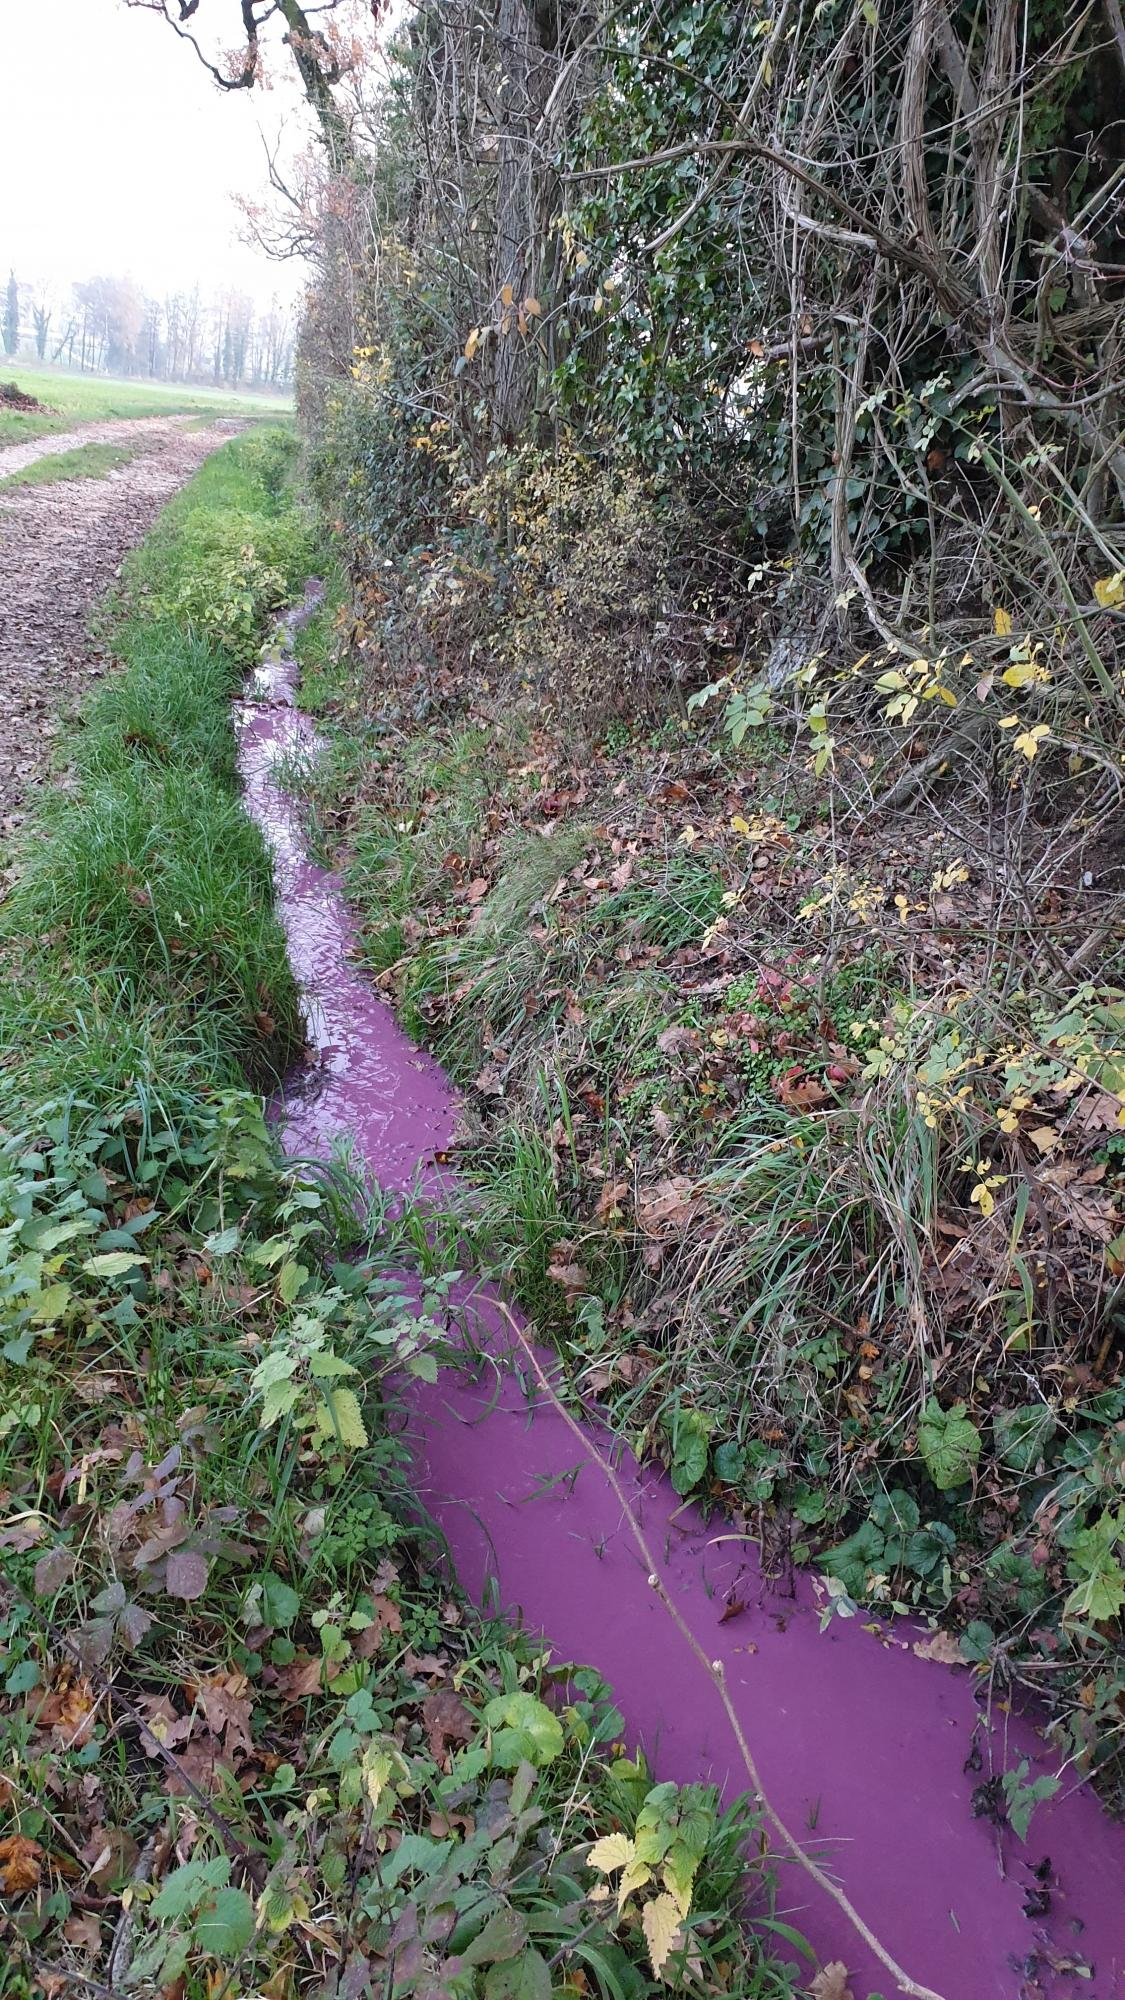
(613, 1851)
(1110, 590)
(1028, 741)
(1044, 1137)
(472, 343)
(661, 1921)
(506, 295)
(532, 307)
(1002, 623)
(688, 837)
(738, 824)
(340, 1417)
(1018, 675)
(637, 1875)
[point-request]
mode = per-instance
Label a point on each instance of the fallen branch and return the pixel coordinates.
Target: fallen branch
(714, 1671)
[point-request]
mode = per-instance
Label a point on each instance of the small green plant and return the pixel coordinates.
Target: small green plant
(745, 708)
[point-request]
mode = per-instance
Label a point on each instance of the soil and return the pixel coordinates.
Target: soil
(61, 546)
(13, 398)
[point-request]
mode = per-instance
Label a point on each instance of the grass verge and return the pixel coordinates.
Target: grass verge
(251, 1738)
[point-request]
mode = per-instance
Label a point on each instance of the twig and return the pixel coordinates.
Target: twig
(714, 1671)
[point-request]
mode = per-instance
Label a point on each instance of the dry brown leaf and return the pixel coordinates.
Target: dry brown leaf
(941, 1646)
(667, 1208)
(163, 1724)
(612, 1200)
(83, 1931)
(226, 1706)
(573, 1278)
(675, 1039)
(447, 1721)
(831, 1982)
(801, 1093)
(21, 1864)
(1099, 1112)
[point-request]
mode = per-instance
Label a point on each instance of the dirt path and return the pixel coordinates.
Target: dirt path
(116, 430)
(61, 545)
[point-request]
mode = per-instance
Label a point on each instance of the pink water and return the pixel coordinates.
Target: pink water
(862, 1745)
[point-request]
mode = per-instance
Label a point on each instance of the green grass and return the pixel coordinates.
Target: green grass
(86, 461)
(71, 400)
(141, 918)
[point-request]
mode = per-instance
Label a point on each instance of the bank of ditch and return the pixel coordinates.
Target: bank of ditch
(251, 1736)
(813, 1192)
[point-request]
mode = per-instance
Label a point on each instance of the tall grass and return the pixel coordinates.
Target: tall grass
(139, 939)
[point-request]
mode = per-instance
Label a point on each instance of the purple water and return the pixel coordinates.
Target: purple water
(862, 1745)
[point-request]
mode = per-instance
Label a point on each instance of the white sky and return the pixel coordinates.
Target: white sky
(119, 155)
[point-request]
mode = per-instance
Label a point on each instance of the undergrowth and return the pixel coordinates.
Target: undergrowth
(827, 1216)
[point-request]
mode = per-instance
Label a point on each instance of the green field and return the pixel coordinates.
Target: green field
(71, 400)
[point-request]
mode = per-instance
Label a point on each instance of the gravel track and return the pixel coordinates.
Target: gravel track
(61, 547)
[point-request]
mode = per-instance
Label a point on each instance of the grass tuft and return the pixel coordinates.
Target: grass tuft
(86, 461)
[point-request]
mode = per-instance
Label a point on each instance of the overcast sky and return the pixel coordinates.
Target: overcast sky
(118, 154)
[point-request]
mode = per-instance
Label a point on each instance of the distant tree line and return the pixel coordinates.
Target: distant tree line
(109, 326)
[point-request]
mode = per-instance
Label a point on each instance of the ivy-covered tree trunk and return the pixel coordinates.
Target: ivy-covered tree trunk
(515, 251)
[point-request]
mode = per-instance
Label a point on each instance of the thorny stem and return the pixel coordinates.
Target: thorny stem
(713, 1670)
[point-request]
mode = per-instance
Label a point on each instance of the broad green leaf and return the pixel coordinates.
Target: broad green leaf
(503, 1936)
(949, 1444)
(524, 1978)
(225, 1924)
(691, 1435)
(113, 1263)
(185, 1887)
(278, 1401)
(523, 1727)
(280, 1602)
(613, 1851)
(326, 1365)
(290, 1279)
